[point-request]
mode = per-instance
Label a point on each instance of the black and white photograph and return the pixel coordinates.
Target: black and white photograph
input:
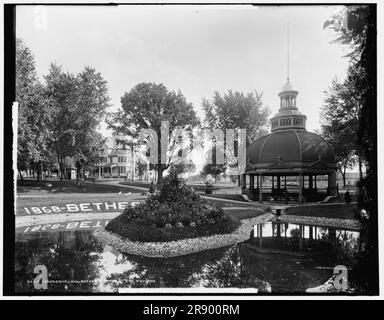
(194, 149)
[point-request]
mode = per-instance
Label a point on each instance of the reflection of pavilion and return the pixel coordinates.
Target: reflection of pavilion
(289, 151)
(314, 238)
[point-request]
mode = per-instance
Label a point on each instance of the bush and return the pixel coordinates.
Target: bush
(208, 188)
(152, 188)
(176, 202)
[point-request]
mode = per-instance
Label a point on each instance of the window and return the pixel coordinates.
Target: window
(122, 170)
(285, 122)
(122, 159)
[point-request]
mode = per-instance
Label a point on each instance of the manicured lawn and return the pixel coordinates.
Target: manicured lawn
(198, 187)
(339, 211)
(143, 184)
(244, 213)
(53, 187)
(236, 197)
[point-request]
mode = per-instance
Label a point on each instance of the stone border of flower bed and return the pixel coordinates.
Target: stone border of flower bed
(349, 224)
(184, 246)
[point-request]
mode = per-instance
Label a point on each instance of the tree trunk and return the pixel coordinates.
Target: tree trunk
(61, 166)
(21, 177)
(78, 168)
(38, 172)
(160, 171)
(343, 174)
(360, 168)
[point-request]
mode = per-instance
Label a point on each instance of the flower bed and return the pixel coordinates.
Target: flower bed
(176, 212)
(184, 246)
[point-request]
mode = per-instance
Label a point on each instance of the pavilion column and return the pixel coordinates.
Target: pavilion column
(278, 183)
(251, 182)
(243, 181)
(332, 184)
(301, 186)
(278, 230)
(273, 183)
(261, 188)
(315, 183)
(310, 232)
(285, 182)
(257, 181)
(310, 182)
(301, 232)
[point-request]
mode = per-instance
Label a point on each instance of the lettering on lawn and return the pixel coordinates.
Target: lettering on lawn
(108, 206)
(65, 226)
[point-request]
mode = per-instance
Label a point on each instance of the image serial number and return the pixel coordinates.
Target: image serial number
(213, 309)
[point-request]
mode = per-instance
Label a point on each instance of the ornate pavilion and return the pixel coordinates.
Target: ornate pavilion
(289, 151)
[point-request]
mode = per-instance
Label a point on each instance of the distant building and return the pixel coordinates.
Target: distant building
(116, 160)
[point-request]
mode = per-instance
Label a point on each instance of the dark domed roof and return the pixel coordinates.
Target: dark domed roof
(290, 149)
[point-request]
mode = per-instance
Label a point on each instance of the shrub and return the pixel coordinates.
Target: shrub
(176, 202)
(208, 188)
(152, 188)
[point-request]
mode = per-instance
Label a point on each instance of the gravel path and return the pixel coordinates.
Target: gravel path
(182, 247)
(350, 224)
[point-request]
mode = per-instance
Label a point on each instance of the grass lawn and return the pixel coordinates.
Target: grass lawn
(54, 187)
(197, 187)
(143, 184)
(236, 197)
(339, 211)
(244, 213)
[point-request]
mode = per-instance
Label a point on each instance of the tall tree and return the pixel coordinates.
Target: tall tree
(92, 101)
(340, 121)
(33, 112)
(145, 106)
(78, 103)
(359, 35)
(60, 91)
(234, 110)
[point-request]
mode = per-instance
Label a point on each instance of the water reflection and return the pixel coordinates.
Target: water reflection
(285, 236)
(70, 257)
(78, 262)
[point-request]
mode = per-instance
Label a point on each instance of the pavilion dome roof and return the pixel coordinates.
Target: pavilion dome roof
(289, 150)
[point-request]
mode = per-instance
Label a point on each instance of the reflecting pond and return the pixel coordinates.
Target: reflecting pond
(76, 261)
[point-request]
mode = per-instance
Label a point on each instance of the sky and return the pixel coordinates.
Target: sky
(197, 49)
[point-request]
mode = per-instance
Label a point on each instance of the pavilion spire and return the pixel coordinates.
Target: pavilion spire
(287, 51)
